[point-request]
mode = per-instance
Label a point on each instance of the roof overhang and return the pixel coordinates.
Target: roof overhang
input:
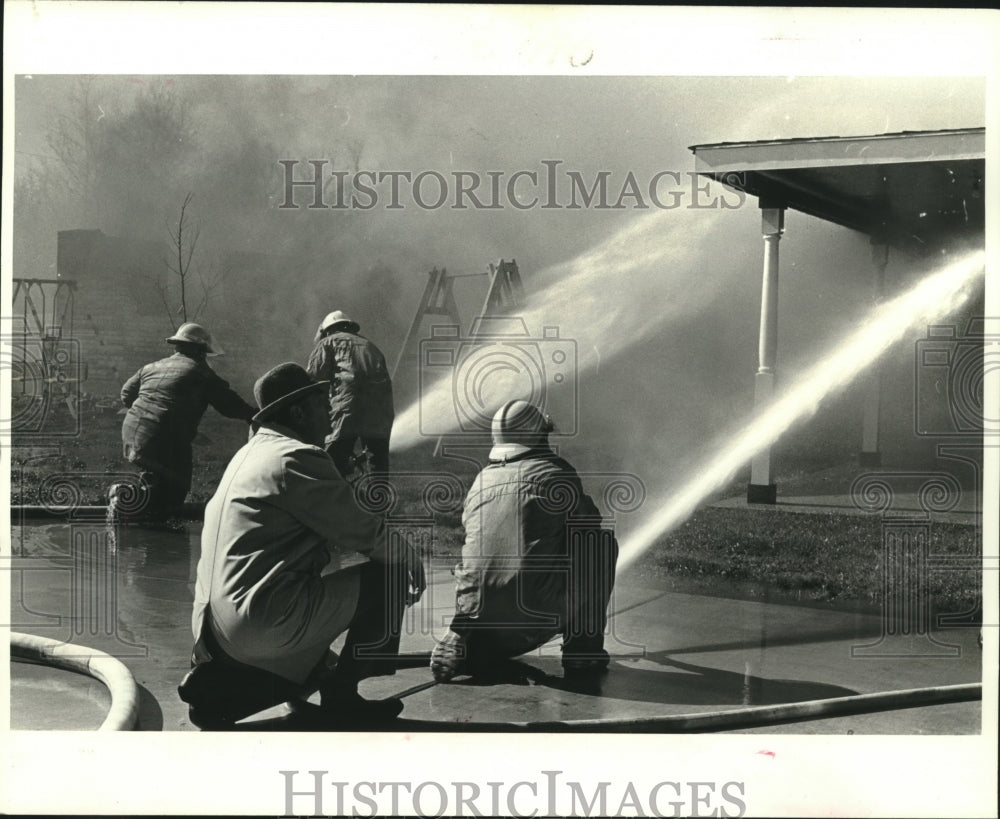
(912, 189)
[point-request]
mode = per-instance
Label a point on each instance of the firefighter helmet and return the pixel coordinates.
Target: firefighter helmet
(518, 427)
(335, 318)
(192, 333)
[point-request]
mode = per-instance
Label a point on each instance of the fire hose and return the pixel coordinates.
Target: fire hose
(703, 722)
(727, 720)
(124, 710)
(123, 714)
(121, 685)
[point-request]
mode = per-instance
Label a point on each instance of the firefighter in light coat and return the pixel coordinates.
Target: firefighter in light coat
(536, 562)
(265, 611)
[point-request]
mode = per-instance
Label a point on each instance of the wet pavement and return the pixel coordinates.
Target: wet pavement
(673, 653)
(52, 699)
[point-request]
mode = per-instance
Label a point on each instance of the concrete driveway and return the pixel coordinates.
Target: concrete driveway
(673, 653)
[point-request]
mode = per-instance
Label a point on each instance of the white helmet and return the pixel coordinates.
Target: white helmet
(335, 318)
(518, 427)
(192, 333)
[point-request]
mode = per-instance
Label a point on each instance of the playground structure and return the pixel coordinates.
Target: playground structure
(438, 319)
(505, 292)
(45, 362)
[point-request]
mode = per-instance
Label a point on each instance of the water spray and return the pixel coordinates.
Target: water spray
(935, 296)
(653, 261)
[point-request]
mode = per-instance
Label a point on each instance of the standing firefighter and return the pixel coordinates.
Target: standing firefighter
(360, 392)
(536, 562)
(166, 400)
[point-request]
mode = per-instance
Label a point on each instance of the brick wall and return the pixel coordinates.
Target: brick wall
(120, 322)
(118, 318)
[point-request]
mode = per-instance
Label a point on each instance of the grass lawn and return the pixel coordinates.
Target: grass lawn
(815, 557)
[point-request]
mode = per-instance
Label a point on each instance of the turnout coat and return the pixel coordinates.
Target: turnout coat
(361, 403)
(522, 517)
(166, 401)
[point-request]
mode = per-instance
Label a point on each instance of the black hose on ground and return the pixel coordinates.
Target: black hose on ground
(705, 722)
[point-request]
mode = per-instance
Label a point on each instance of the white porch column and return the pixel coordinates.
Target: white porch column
(762, 488)
(870, 456)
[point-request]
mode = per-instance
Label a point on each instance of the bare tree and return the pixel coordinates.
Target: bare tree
(56, 182)
(110, 157)
(183, 243)
(74, 139)
(355, 149)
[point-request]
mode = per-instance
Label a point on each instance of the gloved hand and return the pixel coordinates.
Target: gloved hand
(449, 657)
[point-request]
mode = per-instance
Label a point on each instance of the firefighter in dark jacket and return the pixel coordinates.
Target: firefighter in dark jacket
(536, 562)
(361, 406)
(165, 401)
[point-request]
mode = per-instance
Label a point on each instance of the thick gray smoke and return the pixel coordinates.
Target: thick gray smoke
(666, 326)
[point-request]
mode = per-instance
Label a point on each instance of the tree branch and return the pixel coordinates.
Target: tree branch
(162, 290)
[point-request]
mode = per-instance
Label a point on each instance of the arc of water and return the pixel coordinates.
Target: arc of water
(935, 296)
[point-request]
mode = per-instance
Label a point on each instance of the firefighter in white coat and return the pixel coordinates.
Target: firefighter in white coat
(264, 612)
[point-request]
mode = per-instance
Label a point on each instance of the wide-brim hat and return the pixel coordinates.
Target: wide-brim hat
(281, 386)
(191, 333)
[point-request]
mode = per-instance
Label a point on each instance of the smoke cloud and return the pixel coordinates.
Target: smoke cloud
(662, 305)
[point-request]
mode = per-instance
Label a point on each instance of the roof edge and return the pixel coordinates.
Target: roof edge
(831, 139)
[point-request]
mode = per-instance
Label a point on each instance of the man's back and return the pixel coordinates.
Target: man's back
(266, 611)
(280, 508)
(168, 398)
(536, 562)
(172, 388)
(250, 529)
(361, 400)
(518, 518)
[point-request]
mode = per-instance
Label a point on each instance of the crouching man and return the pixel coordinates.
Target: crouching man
(535, 563)
(264, 612)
